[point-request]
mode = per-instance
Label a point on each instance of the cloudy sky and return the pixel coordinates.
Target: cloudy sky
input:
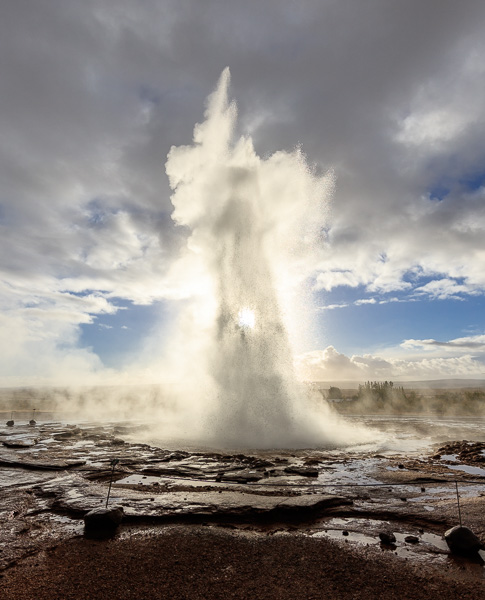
(388, 94)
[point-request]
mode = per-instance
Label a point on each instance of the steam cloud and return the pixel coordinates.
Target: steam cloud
(253, 223)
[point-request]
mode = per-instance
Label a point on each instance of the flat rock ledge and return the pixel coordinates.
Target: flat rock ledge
(74, 495)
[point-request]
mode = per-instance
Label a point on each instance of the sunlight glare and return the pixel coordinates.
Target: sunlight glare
(246, 318)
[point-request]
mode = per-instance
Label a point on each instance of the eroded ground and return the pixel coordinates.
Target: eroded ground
(51, 474)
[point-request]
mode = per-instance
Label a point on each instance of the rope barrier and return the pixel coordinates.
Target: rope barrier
(321, 485)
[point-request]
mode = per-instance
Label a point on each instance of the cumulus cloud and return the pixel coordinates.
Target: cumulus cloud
(447, 288)
(363, 301)
(330, 365)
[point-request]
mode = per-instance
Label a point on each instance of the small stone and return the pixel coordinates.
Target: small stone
(462, 540)
(387, 537)
(411, 539)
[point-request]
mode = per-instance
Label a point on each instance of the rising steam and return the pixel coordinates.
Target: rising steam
(253, 224)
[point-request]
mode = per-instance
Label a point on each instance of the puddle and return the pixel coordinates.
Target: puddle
(82, 444)
(429, 539)
(366, 532)
(171, 484)
(141, 479)
(450, 457)
(351, 472)
(433, 493)
(352, 536)
(75, 525)
(433, 547)
(468, 469)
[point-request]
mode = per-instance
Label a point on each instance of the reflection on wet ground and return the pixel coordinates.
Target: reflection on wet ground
(52, 474)
(412, 544)
(468, 469)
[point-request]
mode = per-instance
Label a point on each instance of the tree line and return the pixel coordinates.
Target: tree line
(387, 398)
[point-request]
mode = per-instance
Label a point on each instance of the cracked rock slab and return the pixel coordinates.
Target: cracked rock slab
(73, 494)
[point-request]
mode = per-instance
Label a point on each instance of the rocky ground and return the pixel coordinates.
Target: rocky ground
(306, 524)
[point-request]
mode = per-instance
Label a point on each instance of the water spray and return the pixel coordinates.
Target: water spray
(254, 226)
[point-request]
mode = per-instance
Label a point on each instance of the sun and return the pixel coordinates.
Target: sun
(246, 318)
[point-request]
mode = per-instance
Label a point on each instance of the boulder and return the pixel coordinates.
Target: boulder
(387, 537)
(462, 540)
(102, 521)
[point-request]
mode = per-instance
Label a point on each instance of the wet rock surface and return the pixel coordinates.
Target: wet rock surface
(53, 475)
(469, 453)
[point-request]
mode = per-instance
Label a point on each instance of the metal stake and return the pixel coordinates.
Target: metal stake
(113, 464)
(458, 501)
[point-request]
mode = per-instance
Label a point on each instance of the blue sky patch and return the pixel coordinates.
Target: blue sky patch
(368, 327)
(115, 338)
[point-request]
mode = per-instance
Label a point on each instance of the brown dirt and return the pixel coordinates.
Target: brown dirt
(192, 563)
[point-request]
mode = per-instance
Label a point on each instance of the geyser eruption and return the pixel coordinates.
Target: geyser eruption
(253, 223)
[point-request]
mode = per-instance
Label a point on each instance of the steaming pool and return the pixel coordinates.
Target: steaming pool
(403, 434)
(394, 435)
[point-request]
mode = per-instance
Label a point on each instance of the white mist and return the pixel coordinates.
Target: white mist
(253, 226)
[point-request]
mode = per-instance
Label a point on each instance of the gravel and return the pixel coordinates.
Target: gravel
(196, 562)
